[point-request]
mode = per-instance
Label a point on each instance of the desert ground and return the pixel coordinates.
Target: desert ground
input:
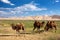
(6, 32)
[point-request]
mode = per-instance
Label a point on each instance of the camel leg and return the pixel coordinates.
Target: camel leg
(18, 32)
(46, 28)
(23, 29)
(38, 29)
(34, 28)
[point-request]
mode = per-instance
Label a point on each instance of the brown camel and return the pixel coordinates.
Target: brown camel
(50, 25)
(37, 25)
(18, 26)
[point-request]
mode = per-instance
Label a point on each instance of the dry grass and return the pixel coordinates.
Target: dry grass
(32, 36)
(51, 35)
(5, 29)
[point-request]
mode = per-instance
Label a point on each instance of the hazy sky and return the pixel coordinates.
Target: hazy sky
(17, 8)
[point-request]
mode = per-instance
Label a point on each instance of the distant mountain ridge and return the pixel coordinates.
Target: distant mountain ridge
(56, 16)
(45, 17)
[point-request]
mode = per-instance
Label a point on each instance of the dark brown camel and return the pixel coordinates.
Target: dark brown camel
(18, 26)
(50, 25)
(37, 25)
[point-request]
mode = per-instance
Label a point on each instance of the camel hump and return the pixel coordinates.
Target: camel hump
(18, 24)
(21, 24)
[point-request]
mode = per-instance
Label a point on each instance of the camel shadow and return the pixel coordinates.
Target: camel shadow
(25, 33)
(32, 32)
(41, 31)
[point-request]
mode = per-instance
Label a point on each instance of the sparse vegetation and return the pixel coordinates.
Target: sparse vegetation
(5, 28)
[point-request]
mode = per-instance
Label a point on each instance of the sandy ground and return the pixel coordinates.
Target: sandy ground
(35, 36)
(20, 37)
(11, 35)
(23, 37)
